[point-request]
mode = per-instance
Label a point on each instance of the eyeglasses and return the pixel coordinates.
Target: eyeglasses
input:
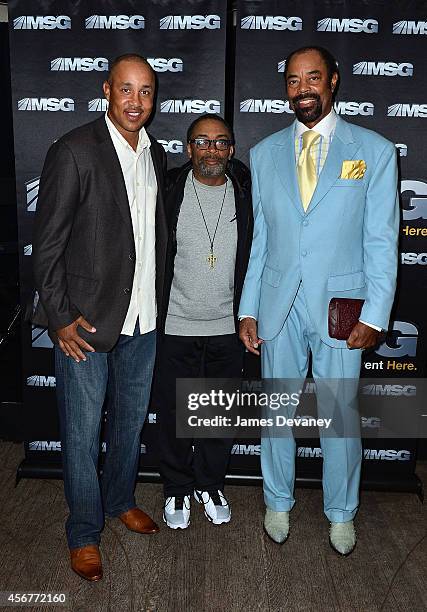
(206, 143)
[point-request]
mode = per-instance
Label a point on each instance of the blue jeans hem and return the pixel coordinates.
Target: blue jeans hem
(117, 513)
(82, 545)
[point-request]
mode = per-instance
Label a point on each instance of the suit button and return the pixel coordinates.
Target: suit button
(303, 253)
(131, 256)
(305, 222)
(126, 290)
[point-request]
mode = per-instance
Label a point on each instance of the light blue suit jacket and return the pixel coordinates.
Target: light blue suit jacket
(345, 245)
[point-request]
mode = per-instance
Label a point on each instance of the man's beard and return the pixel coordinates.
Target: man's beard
(307, 115)
(212, 171)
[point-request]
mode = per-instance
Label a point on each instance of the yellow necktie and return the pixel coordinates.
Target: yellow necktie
(307, 177)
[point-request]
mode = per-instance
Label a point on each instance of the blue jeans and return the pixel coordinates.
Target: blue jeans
(123, 375)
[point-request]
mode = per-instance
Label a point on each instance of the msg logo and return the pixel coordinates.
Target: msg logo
(329, 24)
(161, 64)
(418, 205)
(403, 341)
(115, 22)
(172, 146)
(44, 22)
(265, 106)
(391, 69)
(270, 22)
(32, 191)
(44, 445)
(190, 106)
(38, 380)
(386, 454)
(407, 110)
(46, 104)
(246, 449)
(402, 149)
(413, 259)
(85, 64)
(190, 22)
(410, 27)
(354, 108)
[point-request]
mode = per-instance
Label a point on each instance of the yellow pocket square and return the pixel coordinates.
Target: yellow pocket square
(353, 169)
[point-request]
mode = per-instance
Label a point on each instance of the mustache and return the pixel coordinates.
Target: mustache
(211, 158)
(300, 97)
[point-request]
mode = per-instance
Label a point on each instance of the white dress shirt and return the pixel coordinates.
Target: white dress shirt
(141, 188)
(326, 129)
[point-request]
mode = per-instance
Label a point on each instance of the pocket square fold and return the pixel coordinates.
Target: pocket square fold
(353, 169)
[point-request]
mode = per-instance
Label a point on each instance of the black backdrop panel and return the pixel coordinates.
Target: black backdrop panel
(380, 48)
(60, 53)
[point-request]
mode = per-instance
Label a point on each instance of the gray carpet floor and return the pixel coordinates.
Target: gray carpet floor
(231, 567)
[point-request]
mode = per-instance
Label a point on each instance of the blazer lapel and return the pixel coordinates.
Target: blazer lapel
(284, 162)
(159, 164)
(160, 172)
(159, 168)
(342, 147)
(114, 172)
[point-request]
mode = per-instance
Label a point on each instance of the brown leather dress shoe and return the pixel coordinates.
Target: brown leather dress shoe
(86, 562)
(136, 520)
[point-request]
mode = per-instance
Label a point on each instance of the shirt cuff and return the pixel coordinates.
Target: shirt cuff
(371, 325)
(246, 317)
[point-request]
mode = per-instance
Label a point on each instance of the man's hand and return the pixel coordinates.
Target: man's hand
(248, 334)
(363, 337)
(71, 343)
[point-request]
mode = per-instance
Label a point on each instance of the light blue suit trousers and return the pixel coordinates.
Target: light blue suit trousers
(286, 357)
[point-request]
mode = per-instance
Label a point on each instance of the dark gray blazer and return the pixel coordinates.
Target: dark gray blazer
(83, 245)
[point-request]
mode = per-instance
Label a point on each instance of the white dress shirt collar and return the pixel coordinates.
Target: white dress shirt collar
(325, 127)
(143, 140)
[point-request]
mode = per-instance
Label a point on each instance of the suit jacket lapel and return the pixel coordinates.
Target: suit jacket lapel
(284, 162)
(113, 172)
(159, 164)
(160, 171)
(156, 161)
(342, 147)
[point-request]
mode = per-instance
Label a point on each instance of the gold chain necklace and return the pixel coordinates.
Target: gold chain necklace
(211, 258)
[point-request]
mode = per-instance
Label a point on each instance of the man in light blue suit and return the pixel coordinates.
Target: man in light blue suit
(326, 219)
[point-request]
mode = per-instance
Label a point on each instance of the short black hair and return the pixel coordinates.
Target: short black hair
(128, 57)
(194, 124)
(330, 62)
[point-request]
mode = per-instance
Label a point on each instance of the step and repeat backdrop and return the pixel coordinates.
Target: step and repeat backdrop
(60, 54)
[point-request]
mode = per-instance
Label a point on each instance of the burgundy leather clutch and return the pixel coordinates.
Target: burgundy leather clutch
(343, 315)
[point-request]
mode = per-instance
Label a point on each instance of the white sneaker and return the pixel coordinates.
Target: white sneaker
(342, 537)
(176, 512)
(215, 505)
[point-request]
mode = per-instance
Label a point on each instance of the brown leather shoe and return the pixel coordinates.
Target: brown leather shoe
(136, 520)
(86, 562)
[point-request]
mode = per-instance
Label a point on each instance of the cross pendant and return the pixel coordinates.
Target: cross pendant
(211, 259)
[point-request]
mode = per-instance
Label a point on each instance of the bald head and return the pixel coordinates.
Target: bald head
(127, 57)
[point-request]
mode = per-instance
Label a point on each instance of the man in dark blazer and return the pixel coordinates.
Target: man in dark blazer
(210, 232)
(99, 250)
